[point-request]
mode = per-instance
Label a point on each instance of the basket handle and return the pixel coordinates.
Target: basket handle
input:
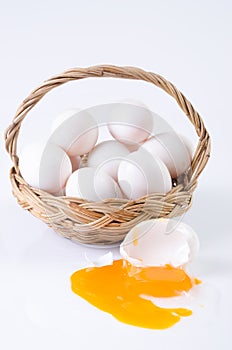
(202, 152)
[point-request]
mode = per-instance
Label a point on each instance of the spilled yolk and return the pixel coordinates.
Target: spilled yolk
(118, 289)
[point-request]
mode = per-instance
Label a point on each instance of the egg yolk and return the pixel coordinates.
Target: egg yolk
(119, 289)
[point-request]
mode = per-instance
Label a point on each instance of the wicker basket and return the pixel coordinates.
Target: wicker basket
(108, 221)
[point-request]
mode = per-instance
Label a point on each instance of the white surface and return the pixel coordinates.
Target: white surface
(190, 44)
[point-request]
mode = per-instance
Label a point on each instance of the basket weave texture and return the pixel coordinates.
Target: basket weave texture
(108, 221)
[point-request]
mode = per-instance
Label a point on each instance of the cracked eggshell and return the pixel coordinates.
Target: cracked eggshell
(77, 134)
(103, 260)
(160, 242)
(93, 185)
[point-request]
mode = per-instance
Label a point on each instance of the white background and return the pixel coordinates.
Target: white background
(189, 42)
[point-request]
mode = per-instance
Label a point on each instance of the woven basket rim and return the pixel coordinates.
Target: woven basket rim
(108, 221)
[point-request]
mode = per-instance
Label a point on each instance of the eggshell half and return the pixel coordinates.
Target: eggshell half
(160, 242)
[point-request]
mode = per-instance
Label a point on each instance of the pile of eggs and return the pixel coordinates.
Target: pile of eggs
(134, 162)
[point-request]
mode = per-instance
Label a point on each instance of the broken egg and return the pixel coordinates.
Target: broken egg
(154, 253)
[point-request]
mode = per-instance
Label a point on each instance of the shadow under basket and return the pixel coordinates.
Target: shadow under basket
(108, 221)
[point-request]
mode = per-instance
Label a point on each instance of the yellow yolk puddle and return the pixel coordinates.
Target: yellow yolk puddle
(117, 289)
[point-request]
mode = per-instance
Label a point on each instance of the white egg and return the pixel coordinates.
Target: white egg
(140, 174)
(188, 144)
(60, 193)
(132, 147)
(171, 149)
(77, 135)
(93, 185)
(76, 162)
(160, 242)
(130, 123)
(62, 117)
(107, 156)
(45, 167)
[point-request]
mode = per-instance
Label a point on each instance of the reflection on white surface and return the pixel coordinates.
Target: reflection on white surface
(202, 299)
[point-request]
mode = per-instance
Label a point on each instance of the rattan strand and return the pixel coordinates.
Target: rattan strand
(108, 221)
